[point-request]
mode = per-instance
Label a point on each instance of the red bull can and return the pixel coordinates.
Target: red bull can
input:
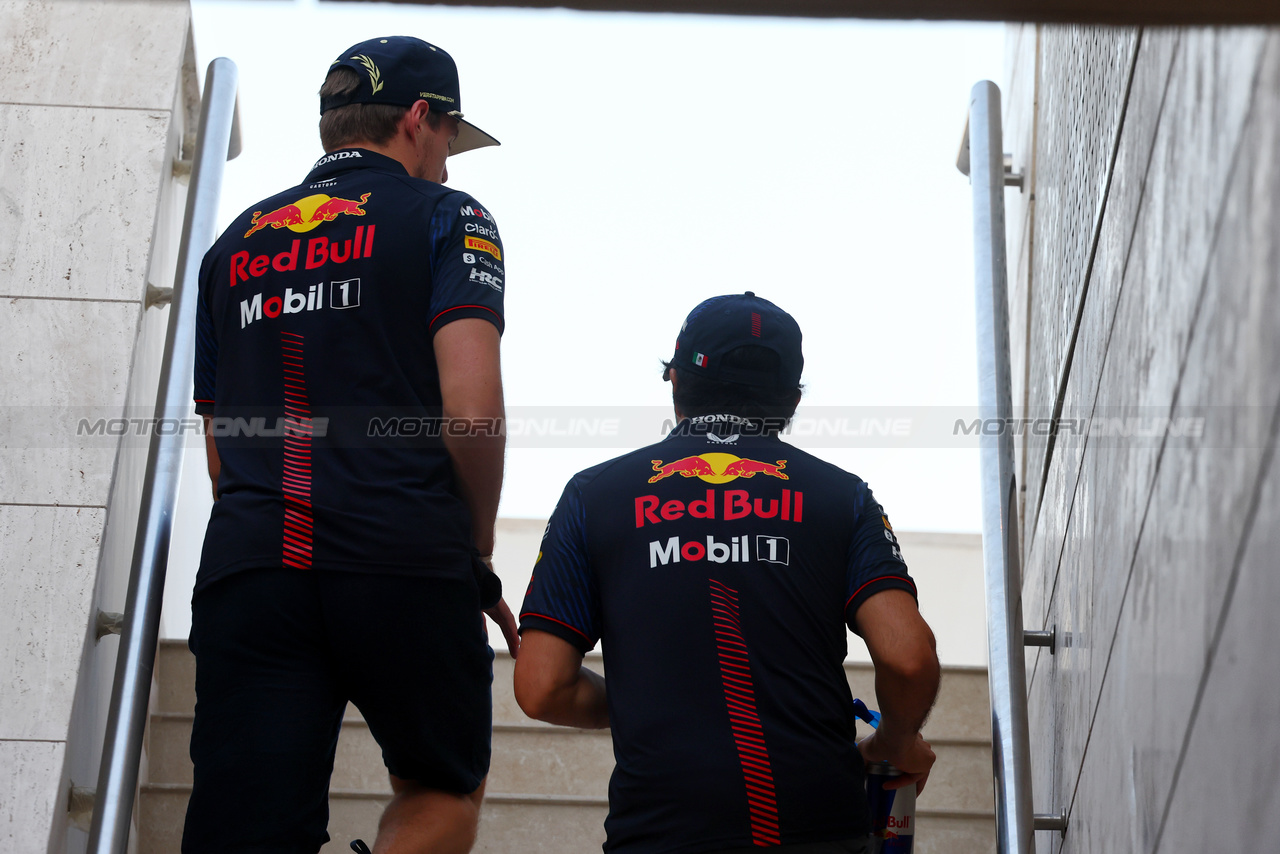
(893, 811)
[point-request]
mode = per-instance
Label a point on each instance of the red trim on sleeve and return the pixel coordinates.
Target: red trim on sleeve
(202, 400)
(455, 308)
(874, 580)
(554, 620)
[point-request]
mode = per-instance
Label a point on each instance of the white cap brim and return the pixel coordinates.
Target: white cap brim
(470, 137)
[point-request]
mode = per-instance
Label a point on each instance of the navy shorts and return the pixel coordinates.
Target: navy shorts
(280, 652)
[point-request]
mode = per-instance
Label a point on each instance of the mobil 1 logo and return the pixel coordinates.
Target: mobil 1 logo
(768, 549)
(344, 294)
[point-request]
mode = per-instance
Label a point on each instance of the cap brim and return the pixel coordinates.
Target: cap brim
(470, 137)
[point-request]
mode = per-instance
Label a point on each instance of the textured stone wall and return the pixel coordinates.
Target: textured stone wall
(93, 108)
(1145, 283)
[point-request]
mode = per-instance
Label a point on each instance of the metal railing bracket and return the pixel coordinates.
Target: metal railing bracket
(80, 803)
(107, 623)
(1048, 639)
(158, 297)
(1052, 822)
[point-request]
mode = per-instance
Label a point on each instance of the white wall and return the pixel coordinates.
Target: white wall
(92, 113)
(1144, 279)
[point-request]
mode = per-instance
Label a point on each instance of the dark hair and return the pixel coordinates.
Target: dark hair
(373, 123)
(696, 395)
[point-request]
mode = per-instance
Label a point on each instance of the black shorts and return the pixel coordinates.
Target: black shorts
(279, 652)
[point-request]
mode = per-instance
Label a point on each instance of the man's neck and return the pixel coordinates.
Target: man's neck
(397, 150)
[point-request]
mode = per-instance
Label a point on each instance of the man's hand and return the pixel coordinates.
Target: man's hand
(914, 759)
(501, 614)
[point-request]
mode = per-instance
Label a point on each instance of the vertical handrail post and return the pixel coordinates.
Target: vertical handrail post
(131, 688)
(1011, 756)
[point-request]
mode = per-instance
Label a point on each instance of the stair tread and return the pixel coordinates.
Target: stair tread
(553, 780)
(553, 729)
(533, 798)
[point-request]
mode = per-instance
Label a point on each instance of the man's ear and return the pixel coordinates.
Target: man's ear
(411, 124)
(671, 376)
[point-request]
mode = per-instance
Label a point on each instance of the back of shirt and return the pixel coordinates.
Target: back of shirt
(720, 571)
(314, 356)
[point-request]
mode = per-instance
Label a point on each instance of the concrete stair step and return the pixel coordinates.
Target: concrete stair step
(962, 712)
(547, 784)
(527, 824)
(508, 823)
(554, 761)
(529, 760)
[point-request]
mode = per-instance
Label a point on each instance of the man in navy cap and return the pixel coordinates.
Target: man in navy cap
(719, 568)
(347, 366)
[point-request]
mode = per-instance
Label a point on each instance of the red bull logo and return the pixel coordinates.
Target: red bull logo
(717, 468)
(307, 213)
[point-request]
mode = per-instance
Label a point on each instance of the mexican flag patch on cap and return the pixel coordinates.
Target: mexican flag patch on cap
(700, 359)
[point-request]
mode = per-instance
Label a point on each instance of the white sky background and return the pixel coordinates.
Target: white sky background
(651, 161)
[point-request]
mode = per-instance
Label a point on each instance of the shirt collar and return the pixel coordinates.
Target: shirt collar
(347, 159)
(729, 427)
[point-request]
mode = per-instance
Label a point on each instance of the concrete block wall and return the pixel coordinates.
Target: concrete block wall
(1144, 269)
(95, 99)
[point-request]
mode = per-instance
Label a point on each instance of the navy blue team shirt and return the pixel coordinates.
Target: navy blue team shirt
(314, 356)
(719, 572)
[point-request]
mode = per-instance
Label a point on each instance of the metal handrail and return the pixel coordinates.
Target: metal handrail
(131, 689)
(982, 157)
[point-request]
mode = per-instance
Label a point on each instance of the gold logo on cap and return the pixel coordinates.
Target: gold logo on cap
(375, 76)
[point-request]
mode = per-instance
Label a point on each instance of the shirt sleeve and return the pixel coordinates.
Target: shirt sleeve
(468, 265)
(563, 597)
(875, 560)
(206, 365)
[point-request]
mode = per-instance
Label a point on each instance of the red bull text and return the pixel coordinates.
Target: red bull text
(893, 811)
(319, 252)
(735, 504)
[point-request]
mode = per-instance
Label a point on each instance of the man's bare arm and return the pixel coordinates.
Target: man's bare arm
(468, 359)
(467, 355)
(907, 674)
(211, 454)
(552, 685)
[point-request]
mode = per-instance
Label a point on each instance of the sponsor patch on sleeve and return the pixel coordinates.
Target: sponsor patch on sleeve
(481, 245)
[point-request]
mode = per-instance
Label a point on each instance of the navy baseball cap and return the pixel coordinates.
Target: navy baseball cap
(402, 70)
(721, 324)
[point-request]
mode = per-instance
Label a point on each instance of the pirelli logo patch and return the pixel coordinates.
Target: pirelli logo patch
(484, 246)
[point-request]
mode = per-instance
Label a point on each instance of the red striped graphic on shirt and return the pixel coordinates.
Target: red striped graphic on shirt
(744, 721)
(296, 475)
